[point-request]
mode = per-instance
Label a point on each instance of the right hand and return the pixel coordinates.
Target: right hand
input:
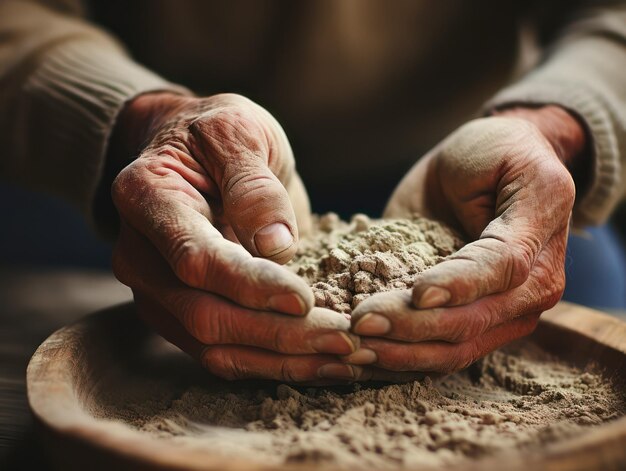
(209, 210)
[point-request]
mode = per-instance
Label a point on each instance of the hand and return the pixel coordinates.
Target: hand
(503, 182)
(207, 209)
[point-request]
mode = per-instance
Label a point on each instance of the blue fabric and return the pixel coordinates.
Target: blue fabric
(41, 230)
(595, 269)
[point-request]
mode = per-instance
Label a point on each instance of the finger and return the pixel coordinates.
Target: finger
(243, 150)
(392, 315)
(488, 265)
(232, 362)
(492, 264)
(302, 207)
(174, 217)
(166, 325)
(237, 362)
(534, 197)
(444, 357)
(204, 321)
(211, 319)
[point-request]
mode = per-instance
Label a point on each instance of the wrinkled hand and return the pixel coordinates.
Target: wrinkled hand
(502, 182)
(207, 209)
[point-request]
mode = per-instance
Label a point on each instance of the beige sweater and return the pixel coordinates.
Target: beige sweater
(363, 87)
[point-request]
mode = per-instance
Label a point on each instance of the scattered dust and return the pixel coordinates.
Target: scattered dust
(347, 262)
(517, 398)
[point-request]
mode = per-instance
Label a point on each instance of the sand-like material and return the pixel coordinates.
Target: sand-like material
(519, 398)
(347, 262)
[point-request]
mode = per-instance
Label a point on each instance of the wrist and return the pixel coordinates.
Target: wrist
(135, 124)
(565, 133)
(139, 119)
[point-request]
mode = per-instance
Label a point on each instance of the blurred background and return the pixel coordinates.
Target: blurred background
(362, 104)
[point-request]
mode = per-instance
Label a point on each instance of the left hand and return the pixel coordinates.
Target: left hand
(503, 182)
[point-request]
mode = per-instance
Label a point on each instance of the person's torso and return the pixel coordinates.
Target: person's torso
(362, 87)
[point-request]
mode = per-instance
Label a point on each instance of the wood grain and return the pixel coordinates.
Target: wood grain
(64, 371)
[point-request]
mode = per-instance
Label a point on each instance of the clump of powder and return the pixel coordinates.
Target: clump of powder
(347, 262)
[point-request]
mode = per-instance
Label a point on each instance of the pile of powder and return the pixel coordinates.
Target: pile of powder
(347, 262)
(520, 398)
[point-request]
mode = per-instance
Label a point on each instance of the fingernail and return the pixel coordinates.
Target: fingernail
(434, 297)
(337, 371)
(273, 239)
(338, 343)
(372, 324)
(289, 303)
(363, 356)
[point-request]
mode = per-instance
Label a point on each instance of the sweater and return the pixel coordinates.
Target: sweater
(362, 87)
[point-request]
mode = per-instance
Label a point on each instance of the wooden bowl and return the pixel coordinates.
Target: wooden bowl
(65, 371)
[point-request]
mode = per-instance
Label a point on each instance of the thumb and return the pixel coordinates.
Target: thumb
(259, 210)
(245, 152)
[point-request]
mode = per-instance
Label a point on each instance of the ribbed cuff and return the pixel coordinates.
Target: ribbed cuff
(71, 103)
(604, 191)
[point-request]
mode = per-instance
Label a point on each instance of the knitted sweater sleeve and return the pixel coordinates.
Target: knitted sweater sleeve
(584, 71)
(62, 83)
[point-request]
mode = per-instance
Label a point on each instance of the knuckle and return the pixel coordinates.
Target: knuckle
(200, 323)
(448, 366)
(234, 99)
(221, 364)
(400, 359)
(461, 360)
(467, 333)
(549, 285)
(554, 291)
(134, 185)
(367, 374)
(242, 281)
(124, 184)
(230, 132)
(559, 283)
(519, 261)
(390, 360)
(289, 373)
(459, 332)
(189, 262)
(248, 183)
(563, 184)
(464, 328)
(429, 326)
(263, 332)
(397, 364)
(462, 333)
(279, 340)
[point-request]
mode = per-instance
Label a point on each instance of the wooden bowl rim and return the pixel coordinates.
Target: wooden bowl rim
(58, 408)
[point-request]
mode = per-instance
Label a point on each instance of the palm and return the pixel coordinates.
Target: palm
(500, 183)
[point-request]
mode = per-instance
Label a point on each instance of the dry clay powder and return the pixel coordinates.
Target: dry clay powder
(518, 398)
(346, 263)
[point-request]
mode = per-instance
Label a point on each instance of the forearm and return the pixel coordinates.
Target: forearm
(584, 75)
(63, 83)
